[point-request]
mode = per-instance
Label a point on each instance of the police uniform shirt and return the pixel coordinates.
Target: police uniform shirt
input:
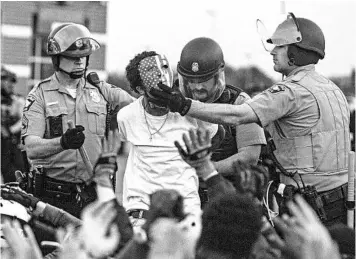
(286, 110)
(251, 133)
(49, 100)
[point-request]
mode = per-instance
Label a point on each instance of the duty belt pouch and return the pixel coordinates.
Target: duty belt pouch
(85, 194)
(59, 189)
(38, 181)
(311, 196)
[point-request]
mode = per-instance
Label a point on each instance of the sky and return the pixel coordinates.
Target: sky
(166, 26)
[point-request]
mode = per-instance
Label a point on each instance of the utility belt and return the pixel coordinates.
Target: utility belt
(328, 205)
(43, 186)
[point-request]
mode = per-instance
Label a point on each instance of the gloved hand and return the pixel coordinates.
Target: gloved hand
(9, 192)
(73, 138)
(172, 98)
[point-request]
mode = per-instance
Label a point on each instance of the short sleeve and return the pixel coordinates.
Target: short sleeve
(251, 133)
(33, 119)
(121, 126)
(273, 103)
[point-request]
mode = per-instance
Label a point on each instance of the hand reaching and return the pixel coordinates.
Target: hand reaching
(170, 97)
(20, 247)
(70, 243)
(106, 164)
(13, 193)
(99, 235)
(304, 235)
(198, 152)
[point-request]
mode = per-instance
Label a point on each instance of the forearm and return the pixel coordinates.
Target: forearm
(249, 155)
(221, 113)
(37, 147)
(54, 215)
(115, 95)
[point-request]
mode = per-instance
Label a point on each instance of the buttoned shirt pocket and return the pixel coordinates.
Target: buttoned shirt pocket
(55, 119)
(97, 118)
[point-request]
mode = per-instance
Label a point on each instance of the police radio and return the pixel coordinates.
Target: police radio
(93, 78)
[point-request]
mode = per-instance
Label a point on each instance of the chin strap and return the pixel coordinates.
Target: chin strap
(74, 75)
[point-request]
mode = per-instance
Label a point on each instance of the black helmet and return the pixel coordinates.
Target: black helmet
(201, 59)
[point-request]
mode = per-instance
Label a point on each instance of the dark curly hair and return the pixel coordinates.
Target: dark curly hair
(132, 73)
(231, 225)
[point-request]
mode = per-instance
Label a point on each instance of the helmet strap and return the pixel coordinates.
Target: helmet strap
(73, 75)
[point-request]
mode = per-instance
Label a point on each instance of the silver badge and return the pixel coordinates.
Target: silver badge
(94, 96)
(79, 43)
(195, 67)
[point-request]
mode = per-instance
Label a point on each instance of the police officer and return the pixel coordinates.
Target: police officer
(67, 95)
(11, 113)
(306, 114)
(202, 77)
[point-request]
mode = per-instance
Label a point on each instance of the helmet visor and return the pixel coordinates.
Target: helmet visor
(287, 32)
(81, 48)
(206, 91)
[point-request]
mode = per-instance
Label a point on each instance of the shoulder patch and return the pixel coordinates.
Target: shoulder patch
(24, 125)
(29, 101)
(276, 89)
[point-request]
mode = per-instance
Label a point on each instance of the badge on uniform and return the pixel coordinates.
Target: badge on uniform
(276, 89)
(94, 96)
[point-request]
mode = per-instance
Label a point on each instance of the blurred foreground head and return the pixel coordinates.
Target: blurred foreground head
(231, 224)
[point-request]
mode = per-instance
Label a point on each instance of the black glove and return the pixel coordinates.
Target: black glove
(73, 138)
(172, 98)
(9, 192)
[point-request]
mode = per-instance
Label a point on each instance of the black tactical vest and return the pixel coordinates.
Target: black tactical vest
(228, 146)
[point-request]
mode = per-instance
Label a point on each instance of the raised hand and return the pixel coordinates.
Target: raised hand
(100, 237)
(14, 193)
(70, 244)
(106, 165)
(303, 233)
(198, 151)
(19, 247)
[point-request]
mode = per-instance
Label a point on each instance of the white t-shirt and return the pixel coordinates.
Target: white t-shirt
(156, 164)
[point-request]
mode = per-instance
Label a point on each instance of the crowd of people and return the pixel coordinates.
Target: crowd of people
(195, 168)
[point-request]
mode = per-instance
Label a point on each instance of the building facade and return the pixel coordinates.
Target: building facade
(25, 26)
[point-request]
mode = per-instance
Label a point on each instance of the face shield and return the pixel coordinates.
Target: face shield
(287, 32)
(202, 89)
(73, 40)
(81, 48)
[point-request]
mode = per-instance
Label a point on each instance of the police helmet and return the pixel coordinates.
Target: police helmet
(201, 59)
(302, 33)
(72, 40)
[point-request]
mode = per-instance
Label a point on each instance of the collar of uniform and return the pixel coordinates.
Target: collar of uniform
(54, 84)
(298, 73)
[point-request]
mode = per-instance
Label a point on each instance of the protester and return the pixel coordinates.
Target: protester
(154, 162)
